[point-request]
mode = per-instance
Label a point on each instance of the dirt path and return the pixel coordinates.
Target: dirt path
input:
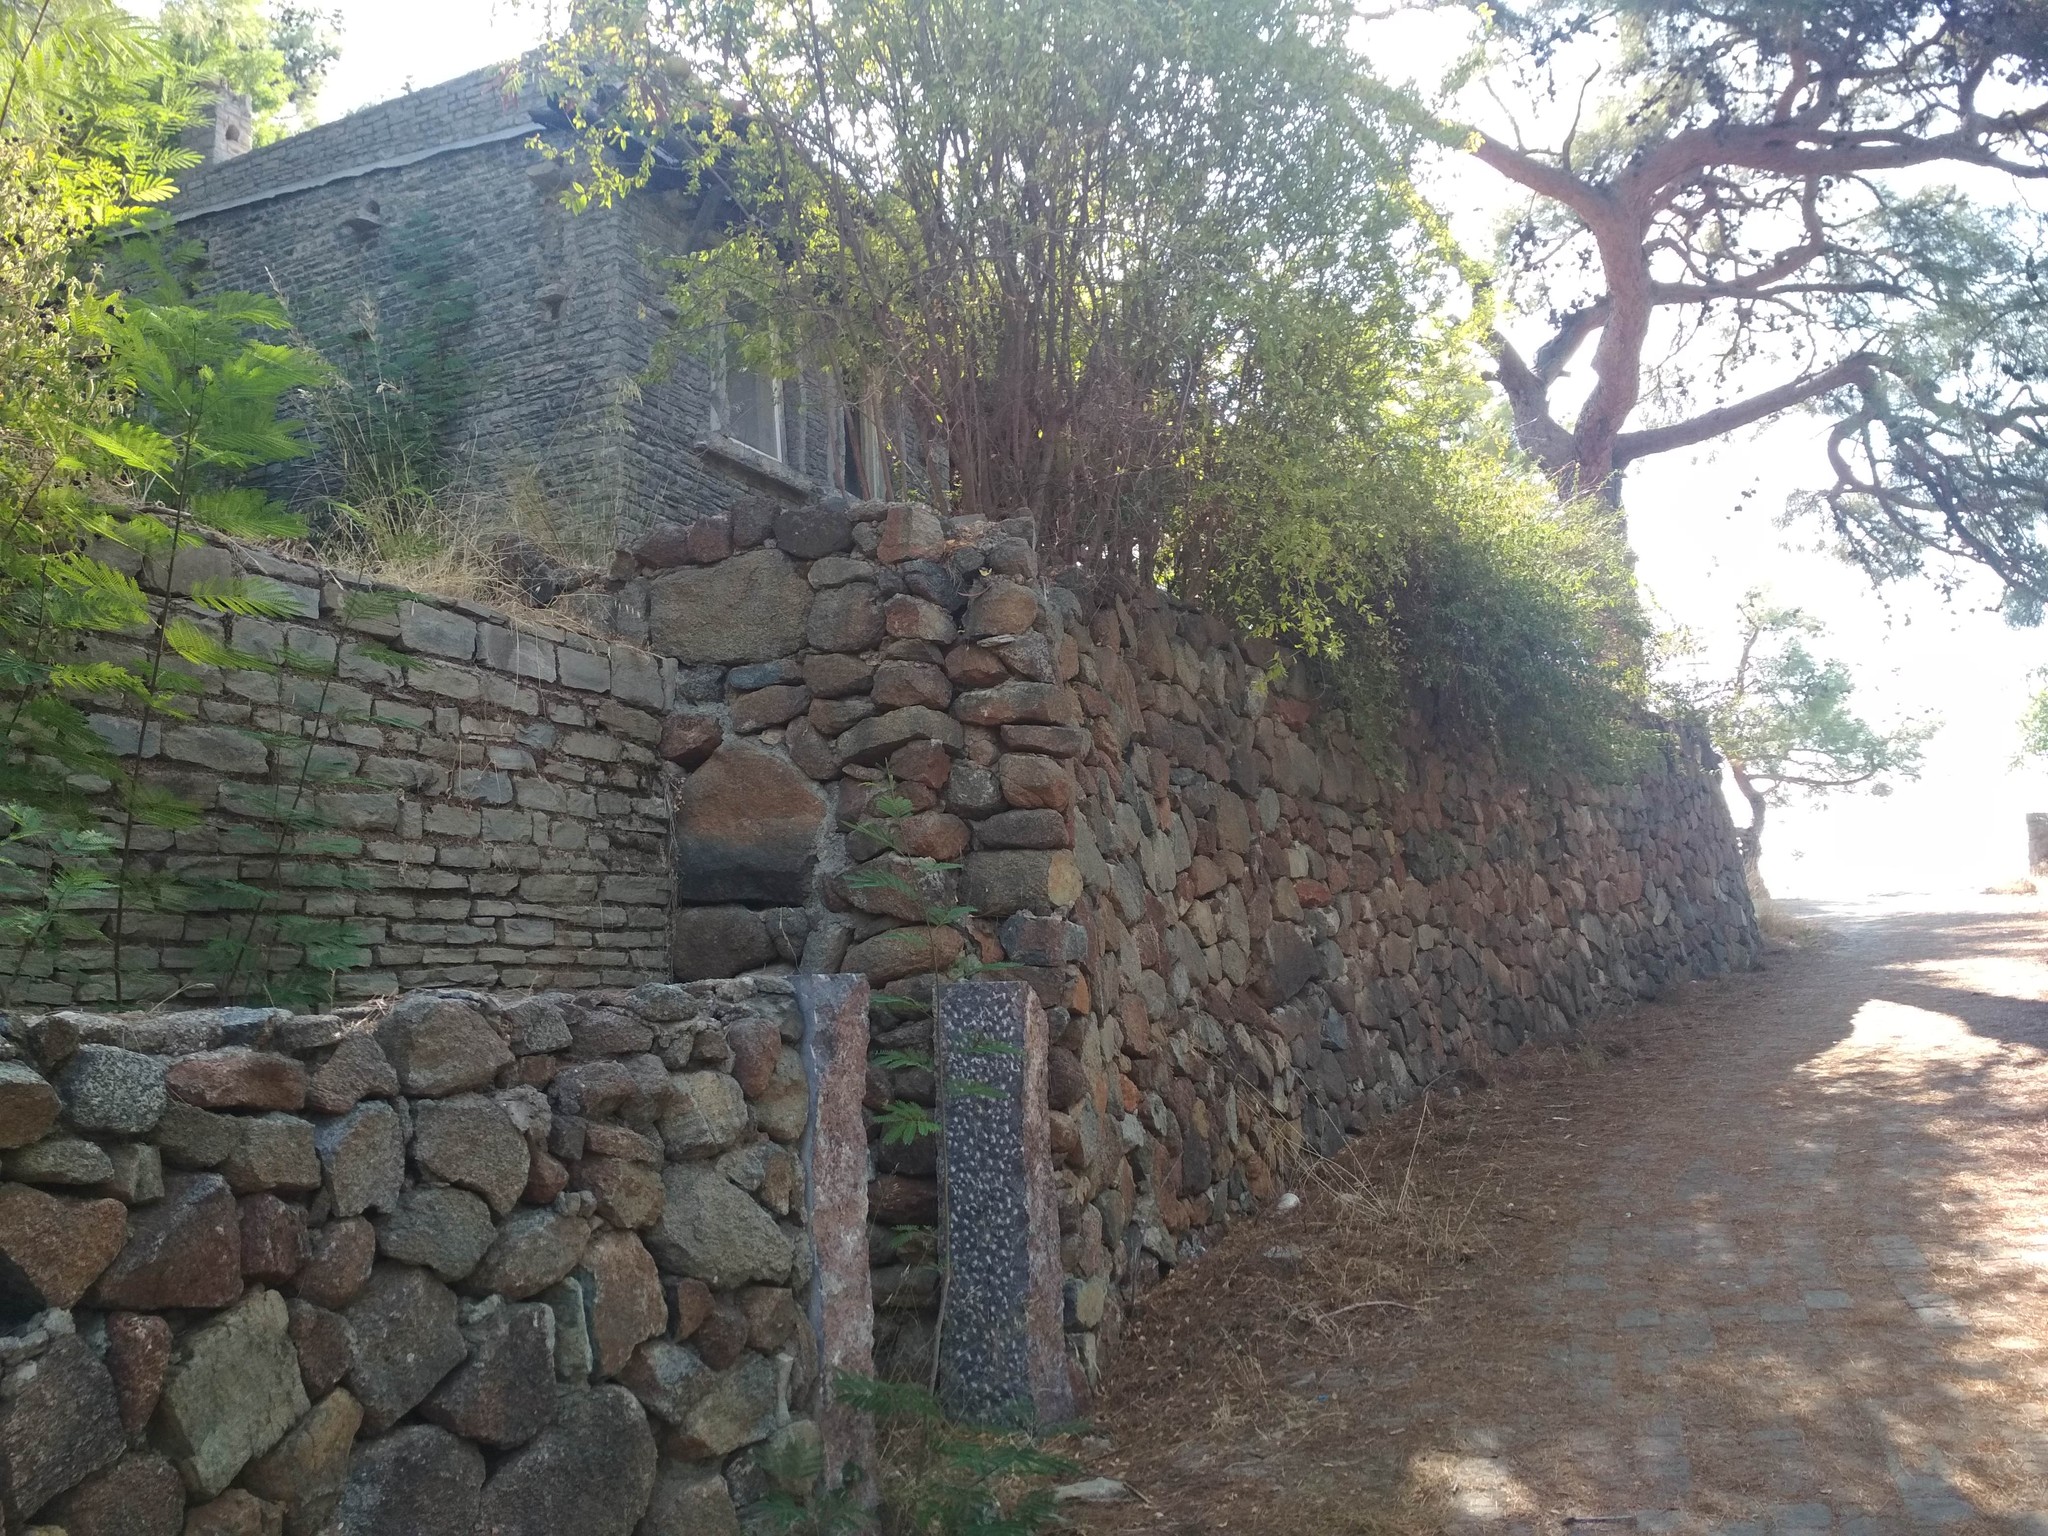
(1768, 1256)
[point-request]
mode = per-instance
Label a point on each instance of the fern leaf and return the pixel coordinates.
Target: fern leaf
(204, 649)
(250, 597)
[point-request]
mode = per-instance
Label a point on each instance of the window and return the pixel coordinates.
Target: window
(751, 410)
(863, 469)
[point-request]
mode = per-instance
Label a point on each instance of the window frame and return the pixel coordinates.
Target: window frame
(722, 411)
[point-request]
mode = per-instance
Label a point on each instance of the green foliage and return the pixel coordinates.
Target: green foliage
(901, 1122)
(276, 55)
(1156, 272)
(127, 428)
(1418, 567)
(80, 154)
(934, 1477)
(386, 426)
(2034, 722)
(52, 877)
(1053, 226)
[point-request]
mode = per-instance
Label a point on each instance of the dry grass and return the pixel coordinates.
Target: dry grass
(1781, 927)
(2013, 888)
(449, 542)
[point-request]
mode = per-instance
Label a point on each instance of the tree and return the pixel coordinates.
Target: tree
(1783, 722)
(1152, 270)
(276, 55)
(1063, 229)
(1743, 214)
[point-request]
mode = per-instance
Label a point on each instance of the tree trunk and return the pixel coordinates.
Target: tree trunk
(1750, 839)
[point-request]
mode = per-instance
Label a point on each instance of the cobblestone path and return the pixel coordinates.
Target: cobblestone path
(1779, 1266)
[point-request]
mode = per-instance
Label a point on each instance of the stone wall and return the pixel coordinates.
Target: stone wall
(1248, 942)
(437, 1265)
(492, 812)
(863, 738)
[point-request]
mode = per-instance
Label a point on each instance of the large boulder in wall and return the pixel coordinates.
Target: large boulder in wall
(746, 830)
(752, 607)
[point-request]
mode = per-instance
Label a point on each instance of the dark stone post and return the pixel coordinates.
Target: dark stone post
(835, 1164)
(2037, 843)
(1001, 1352)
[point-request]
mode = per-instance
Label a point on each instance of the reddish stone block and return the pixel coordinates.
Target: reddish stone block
(689, 1303)
(840, 1305)
(52, 1247)
(238, 1078)
(626, 1304)
(274, 1242)
(183, 1251)
(138, 1353)
(689, 740)
(723, 1337)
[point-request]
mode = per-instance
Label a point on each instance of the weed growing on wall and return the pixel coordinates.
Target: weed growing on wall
(290, 836)
(933, 1477)
(917, 883)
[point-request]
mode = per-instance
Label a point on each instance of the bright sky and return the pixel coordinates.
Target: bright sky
(1700, 541)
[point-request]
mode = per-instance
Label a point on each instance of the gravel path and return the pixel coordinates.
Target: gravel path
(1770, 1257)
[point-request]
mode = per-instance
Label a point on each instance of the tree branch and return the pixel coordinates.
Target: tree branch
(1631, 446)
(1555, 354)
(1529, 400)
(1543, 178)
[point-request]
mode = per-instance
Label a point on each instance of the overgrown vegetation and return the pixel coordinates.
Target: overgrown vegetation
(938, 1478)
(1156, 272)
(128, 423)
(275, 55)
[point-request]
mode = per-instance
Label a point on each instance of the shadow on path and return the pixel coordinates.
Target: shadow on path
(1779, 1265)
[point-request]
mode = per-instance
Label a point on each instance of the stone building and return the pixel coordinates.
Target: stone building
(424, 239)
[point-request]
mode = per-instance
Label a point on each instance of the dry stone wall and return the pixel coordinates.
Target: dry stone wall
(866, 739)
(444, 1264)
(1247, 941)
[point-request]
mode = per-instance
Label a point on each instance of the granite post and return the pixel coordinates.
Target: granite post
(1002, 1356)
(834, 1152)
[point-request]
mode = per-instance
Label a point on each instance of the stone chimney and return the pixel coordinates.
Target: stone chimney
(224, 128)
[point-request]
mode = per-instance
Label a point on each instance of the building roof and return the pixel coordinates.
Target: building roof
(483, 107)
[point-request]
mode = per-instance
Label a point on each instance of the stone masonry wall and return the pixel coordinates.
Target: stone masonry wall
(434, 1266)
(560, 384)
(1247, 942)
(493, 812)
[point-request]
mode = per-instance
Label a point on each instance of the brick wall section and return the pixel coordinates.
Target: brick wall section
(503, 809)
(434, 1266)
(1248, 942)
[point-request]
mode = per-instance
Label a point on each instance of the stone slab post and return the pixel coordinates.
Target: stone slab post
(2037, 842)
(1002, 1356)
(835, 1164)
